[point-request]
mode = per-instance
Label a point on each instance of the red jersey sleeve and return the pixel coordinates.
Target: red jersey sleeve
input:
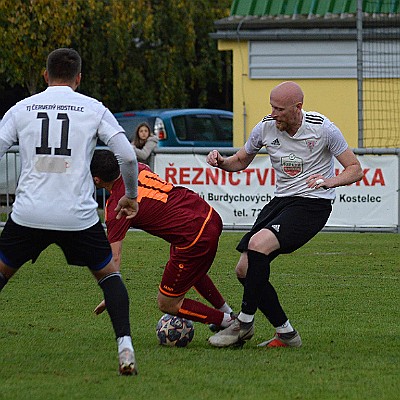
(116, 228)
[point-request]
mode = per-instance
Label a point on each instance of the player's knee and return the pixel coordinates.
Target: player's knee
(241, 267)
(167, 305)
(241, 271)
(256, 243)
(264, 242)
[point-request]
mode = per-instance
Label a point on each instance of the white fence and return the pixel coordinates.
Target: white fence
(370, 205)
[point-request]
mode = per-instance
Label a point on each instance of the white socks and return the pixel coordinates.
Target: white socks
(225, 309)
(246, 318)
(285, 328)
(124, 342)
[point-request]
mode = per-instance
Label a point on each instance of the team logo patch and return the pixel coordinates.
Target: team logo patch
(291, 165)
(311, 144)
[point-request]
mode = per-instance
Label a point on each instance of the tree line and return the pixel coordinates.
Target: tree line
(136, 54)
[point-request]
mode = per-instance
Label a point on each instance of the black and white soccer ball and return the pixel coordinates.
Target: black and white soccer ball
(174, 331)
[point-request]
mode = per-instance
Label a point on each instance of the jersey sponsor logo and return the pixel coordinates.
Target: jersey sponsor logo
(311, 144)
(291, 165)
(314, 119)
(275, 142)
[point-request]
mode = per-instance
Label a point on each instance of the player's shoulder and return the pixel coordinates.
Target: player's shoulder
(314, 118)
(143, 167)
(88, 100)
(263, 126)
(268, 118)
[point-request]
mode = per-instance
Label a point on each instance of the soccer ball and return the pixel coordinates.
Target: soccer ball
(174, 331)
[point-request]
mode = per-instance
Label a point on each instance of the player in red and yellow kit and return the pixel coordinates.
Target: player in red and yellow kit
(182, 218)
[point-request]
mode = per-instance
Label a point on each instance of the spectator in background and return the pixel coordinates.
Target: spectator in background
(144, 143)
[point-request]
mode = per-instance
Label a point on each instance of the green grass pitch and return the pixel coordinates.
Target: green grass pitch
(341, 291)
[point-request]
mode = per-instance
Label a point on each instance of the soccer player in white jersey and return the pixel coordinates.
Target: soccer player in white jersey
(57, 131)
(302, 146)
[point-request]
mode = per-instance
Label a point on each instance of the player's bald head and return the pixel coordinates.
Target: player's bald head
(287, 93)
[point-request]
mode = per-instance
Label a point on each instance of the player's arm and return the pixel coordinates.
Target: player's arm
(237, 162)
(351, 173)
(352, 169)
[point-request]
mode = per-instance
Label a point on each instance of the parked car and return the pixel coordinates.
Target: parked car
(194, 127)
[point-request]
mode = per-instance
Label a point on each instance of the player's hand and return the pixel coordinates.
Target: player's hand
(214, 158)
(128, 207)
(317, 181)
(100, 308)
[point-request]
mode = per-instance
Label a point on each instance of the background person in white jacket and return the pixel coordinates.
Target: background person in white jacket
(144, 143)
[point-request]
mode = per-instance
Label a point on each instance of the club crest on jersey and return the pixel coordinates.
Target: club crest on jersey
(291, 165)
(311, 144)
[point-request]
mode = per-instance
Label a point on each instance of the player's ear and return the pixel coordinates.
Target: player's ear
(78, 79)
(46, 76)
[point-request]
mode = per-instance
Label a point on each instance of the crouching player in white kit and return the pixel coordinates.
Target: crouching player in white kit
(57, 131)
(301, 146)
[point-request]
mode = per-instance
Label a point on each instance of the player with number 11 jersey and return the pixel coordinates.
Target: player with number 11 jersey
(52, 157)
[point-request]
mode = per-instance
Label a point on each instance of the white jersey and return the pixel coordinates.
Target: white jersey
(57, 131)
(295, 158)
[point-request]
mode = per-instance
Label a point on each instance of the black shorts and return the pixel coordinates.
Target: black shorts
(293, 220)
(90, 247)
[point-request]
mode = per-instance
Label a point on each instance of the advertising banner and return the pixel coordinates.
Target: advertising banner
(239, 196)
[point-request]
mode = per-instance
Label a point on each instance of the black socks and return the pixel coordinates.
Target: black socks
(117, 303)
(256, 280)
(268, 302)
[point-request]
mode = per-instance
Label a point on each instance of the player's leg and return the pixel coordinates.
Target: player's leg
(193, 310)
(185, 269)
(269, 303)
(204, 285)
(91, 248)
(207, 289)
(117, 300)
(270, 306)
(261, 244)
(253, 271)
(298, 221)
(18, 244)
(5, 273)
